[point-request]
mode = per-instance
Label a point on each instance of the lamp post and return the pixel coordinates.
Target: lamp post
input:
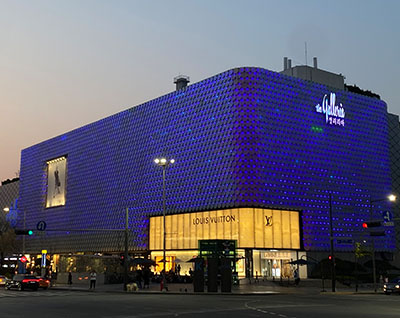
(391, 198)
(164, 163)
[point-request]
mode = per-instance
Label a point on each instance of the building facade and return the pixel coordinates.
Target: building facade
(394, 143)
(9, 191)
(247, 141)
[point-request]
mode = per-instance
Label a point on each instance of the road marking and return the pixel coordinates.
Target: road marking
(181, 313)
(16, 294)
(265, 311)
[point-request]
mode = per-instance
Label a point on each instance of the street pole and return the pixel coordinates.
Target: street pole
(23, 245)
(164, 163)
(372, 248)
(355, 265)
(165, 232)
(23, 237)
(333, 272)
(391, 198)
(126, 261)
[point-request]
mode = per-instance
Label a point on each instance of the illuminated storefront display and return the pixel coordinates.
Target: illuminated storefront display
(56, 177)
(250, 227)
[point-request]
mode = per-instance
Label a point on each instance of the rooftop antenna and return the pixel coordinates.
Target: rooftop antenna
(305, 49)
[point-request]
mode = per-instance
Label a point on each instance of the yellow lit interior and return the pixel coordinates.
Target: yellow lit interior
(250, 227)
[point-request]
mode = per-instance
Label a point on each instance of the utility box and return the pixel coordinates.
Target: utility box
(212, 275)
(198, 278)
(226, 275)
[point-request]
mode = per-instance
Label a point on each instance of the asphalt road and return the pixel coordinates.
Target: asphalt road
(43, 304)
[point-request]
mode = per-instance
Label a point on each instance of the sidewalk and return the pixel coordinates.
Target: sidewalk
(306, 286)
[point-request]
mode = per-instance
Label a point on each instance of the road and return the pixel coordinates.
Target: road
(53, 303)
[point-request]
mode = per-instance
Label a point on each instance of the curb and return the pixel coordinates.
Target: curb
(205, 293)
(266, 293)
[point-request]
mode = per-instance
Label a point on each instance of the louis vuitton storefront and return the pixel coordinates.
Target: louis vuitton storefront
(266, 239)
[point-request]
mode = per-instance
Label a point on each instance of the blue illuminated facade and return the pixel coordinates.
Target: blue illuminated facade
(248, 137)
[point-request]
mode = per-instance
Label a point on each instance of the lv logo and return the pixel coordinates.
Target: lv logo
(268, 220)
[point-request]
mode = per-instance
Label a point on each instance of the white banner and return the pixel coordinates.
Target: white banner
(56, 173)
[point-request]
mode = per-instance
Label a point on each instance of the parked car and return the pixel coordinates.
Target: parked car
(392, 287)
(3, 280)
(43, 282)
(22, 281)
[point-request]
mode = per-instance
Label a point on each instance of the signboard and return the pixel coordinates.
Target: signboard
(216, 248)
(334, 114)
(56, 178)
(249, 227)
(388, 224)
(44, 254)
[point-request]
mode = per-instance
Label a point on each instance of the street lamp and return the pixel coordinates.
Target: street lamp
(391, 198)
(6, 209)
(164, 163)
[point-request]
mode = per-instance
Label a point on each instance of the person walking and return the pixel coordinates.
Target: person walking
(93, 277)
(146, 277)
(296, 277)
(70, 278)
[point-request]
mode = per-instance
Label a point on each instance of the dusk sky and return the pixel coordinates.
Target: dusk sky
(64, 64)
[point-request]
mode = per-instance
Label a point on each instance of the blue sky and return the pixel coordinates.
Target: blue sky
(64, 64)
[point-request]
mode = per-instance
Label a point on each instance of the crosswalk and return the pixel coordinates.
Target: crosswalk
(29, 293)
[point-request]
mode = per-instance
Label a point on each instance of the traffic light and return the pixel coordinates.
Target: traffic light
(372, 224)
(23, 232)
(367, 225)
(330, 257)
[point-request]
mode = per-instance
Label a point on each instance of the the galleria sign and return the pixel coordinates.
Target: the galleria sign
(334, 114)
(214, 219)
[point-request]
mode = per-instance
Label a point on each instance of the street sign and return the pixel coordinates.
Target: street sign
(388, 224)
(43, 263)
(41, 226)
(345, 241)
(387, 216)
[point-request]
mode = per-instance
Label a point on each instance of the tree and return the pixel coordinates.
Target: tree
(8, 243)
(360, 250)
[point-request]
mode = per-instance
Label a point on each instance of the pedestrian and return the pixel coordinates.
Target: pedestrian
(178, 269)
(296, 277)
(139, 276)
(146, 277)
(69, 278)
(93, 277)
